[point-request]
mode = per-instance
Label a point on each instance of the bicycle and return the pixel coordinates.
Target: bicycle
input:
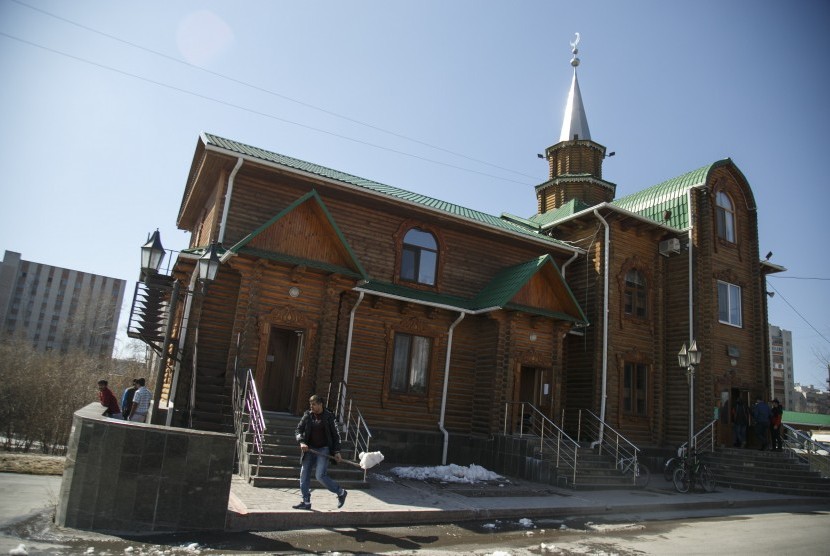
(685, 476)
(637, 469)
(673, 463)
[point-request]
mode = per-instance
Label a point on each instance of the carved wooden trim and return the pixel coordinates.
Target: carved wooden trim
(415, 326)
(635, 263)
(287, 317)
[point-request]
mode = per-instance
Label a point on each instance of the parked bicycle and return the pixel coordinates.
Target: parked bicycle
(632, 466)
(673, 463)
(693, 470)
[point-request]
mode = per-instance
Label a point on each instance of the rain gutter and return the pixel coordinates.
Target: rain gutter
(446, 434)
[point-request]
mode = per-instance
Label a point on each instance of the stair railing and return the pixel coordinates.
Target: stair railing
(248, 418)
(354, 426)
(800, 444)
(553, 444)
(610, 441)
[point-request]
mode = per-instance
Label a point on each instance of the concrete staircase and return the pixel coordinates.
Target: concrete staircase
(597, 471)
(279, 466)
(778, 472)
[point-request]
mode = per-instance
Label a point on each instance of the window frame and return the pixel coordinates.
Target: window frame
(730, 288)
(409, 370)
(635, 399)
(419, 253)
(636, 293)
(725, 218)
(403, 249)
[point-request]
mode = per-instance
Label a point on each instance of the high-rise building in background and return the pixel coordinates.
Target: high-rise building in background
(57, 308)
(781, 365)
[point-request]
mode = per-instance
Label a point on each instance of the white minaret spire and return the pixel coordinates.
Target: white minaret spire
(575, 123)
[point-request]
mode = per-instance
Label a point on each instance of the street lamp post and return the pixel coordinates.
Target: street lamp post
(688, 359)
(152, 253)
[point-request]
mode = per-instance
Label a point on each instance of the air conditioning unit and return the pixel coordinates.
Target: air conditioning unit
(669, 246)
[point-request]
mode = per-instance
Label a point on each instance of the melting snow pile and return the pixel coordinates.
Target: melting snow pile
(370, 459)
(448, 473)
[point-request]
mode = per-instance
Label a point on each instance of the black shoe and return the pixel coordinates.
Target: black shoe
(341, 498)
(303, 506)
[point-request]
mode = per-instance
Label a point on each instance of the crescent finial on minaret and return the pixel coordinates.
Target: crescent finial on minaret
(575, 51)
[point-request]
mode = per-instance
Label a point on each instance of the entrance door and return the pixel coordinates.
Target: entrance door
(530, 386)
(283, 367)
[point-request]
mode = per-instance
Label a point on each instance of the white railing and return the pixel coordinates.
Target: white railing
(816, 454)
(604, 436)
(354, 427)
(706, 439)
(248, 419)
(554, 445)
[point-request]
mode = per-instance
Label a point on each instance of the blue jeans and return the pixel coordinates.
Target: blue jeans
(322, 463)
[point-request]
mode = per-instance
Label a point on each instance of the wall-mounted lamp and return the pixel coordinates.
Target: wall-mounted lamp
(152, 253)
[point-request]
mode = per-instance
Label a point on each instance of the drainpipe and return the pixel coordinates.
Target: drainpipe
(604, 329)
(348, 355)
(691, 312)
(228, 194)
(569, 261)
(188, 304)
(446, 383)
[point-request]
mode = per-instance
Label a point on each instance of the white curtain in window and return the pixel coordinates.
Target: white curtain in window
(420, 361)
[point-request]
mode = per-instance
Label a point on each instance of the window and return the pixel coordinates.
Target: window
(729, 304)
(635, 388)
(635, 293)
(410, 364)
(419, 257)
(725, 215)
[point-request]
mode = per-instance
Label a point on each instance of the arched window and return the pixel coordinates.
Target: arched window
(419, 257)
(725, 215)
(635, 294)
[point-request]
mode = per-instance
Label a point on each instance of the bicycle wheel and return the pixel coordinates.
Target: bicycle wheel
(707, 478)
(668, 469)
(681, 479)
(641, 475)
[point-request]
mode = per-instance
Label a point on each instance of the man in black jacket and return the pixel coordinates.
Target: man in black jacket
(319, 441)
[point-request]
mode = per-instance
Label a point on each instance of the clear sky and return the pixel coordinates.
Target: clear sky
(102, 102)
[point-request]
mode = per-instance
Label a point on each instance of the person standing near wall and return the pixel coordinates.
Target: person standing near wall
(319, 441)
(761, 414)
(107, 399)
(127, 399)
(740, 420)
(141, 403)
(775, 425)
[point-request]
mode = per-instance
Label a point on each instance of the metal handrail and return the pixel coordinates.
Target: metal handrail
(816, 454)
(554, 445)
(355, 428)
(607, 438)
(248, 417)
(705, 440)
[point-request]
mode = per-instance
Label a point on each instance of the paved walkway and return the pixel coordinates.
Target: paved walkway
(403, 501)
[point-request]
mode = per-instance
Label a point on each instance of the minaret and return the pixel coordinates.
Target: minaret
(575, 162)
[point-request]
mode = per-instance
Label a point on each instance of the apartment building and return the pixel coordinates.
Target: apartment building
(781, 365)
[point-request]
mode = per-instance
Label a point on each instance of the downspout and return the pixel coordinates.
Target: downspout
(348, 355)
(604, 329)
(188, 304)
(227, 206)
(569, 261)
(691, 312)
(446, 384)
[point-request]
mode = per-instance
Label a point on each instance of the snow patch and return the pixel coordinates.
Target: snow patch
(451, 473)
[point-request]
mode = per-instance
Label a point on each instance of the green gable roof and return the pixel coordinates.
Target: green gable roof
(497, 294)
(670, 195)
(394, 192)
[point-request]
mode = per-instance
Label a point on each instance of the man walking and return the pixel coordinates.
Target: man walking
(761, 414)
(141, 403)
(319, 441)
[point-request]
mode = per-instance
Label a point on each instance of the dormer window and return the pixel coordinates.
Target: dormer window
(419, 257)
(725, 217)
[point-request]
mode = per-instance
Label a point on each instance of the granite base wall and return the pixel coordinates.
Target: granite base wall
(135, 477)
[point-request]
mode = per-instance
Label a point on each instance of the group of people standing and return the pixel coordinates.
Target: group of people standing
(135, 402)
(766, 421)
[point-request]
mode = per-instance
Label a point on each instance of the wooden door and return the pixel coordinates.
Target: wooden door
(283, 366)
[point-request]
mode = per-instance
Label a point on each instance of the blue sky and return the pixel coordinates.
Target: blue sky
(102, 102)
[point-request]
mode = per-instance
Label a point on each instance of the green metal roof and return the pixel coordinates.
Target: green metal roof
(400, 194)
(497, 294)
(670, 195)
(806, 419)
(568, 209)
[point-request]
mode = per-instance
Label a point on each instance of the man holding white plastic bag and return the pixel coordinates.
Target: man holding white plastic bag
(319, 441)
